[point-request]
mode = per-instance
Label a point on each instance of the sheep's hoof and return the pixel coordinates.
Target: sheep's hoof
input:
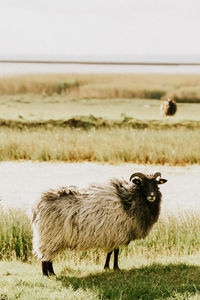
(47, 268)
(106, 268)
(116, 268)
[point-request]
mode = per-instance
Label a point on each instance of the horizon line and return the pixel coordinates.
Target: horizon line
(77, 62)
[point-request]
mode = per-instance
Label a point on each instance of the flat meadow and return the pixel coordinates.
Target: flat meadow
(102, 119)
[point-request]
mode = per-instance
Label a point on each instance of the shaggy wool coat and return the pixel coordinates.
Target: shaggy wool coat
(102, 216)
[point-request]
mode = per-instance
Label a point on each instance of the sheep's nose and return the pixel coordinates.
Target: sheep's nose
(151, 198)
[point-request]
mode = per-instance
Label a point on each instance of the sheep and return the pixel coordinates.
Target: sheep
(168, 108)
(103, 216)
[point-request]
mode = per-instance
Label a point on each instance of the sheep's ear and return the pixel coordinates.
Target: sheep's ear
(136, 181)
(161, 181)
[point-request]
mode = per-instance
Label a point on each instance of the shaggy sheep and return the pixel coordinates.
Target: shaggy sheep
(103, 216)
(168, 108)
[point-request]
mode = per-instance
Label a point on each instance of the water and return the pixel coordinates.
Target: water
(7, 69)
(21, 191)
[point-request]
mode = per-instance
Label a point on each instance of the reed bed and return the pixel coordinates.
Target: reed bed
(183, 88)
(116, 145)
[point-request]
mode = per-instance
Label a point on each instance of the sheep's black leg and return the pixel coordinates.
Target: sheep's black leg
(50, 267)
(47, 268)
(106, 266)
(116, 254)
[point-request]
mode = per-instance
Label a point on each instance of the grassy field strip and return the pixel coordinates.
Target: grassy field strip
(149, 86)
(104, 145)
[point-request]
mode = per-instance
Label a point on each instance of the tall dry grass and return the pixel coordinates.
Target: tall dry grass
(38, 84)
(182, 88)
(15, 235)
(115, 145)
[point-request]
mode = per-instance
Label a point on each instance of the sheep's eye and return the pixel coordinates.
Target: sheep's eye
(136, 181)
(162, 180)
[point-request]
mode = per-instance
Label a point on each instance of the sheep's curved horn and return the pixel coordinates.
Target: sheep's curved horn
(157, 174)
(140, 175)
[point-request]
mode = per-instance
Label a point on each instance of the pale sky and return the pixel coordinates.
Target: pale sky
(99, 27)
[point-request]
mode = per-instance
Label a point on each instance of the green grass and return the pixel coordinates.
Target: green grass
(166, 265)
(115, 145)
(160, 280)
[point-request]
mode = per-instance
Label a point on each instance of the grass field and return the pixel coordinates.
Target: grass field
(165, 278)
(166, 265)
(105, 118)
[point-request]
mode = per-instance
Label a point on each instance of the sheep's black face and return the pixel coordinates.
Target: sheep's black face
(148, 187)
